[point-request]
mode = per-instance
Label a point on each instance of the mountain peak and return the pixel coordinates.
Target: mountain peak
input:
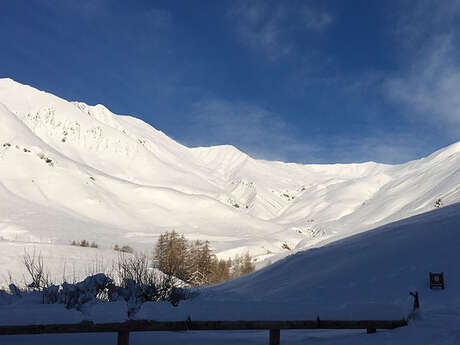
(79, 170)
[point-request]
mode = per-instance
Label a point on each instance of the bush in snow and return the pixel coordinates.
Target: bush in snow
(124, 249)
(127, 249)
(79, 294)
(51, 294)
(6, 298)
(285, 246)
(438, 203)
(138, 282)
(135, 281)
(84, 243)
(38, 276)
(14, 290)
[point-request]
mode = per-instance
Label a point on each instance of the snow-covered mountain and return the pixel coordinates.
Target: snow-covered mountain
(69, 171)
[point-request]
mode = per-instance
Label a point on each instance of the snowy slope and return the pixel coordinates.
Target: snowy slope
(69, 171)
(364, 276)
(377, 266)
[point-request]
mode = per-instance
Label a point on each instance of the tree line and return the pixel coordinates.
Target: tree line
(193, 261)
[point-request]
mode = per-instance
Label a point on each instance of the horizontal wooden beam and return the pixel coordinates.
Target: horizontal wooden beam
(150, 326)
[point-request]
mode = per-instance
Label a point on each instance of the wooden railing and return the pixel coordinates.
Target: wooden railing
(123, 329)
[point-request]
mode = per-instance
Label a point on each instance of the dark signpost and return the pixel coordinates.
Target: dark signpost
(436, 280)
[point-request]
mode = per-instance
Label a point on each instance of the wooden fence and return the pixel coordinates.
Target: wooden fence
(124, 328)
(274, 327)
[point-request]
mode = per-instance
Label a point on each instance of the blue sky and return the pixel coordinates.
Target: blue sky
(303, 81)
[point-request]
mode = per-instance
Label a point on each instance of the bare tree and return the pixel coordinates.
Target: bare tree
(39, 278)
(242, 265)
(199, 263)
(170, 254)
(220, 271)
(151, 284)
(194, 262)
(248, 265)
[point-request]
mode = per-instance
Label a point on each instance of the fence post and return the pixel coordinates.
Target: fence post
(123, 338)
(274, 337)
(416, 300)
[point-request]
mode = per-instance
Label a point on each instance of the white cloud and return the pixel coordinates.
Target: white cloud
(260, 133)
(431, 88)
(315, 20)
(428, 83)
(380, 146)
(264, 134)
(271, 27)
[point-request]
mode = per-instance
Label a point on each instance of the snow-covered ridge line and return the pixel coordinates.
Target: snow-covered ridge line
(69, 170)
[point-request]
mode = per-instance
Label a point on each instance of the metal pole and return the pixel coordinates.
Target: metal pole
(274, 337)
(123, 338)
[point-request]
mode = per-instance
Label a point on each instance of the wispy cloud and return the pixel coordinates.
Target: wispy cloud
(270, 27)
(266, 135)
(314, 19)
(260, 133)
(430, 89)
(379, 146)
(428, 84)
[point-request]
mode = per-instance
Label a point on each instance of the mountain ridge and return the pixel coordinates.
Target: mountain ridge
(119, 180)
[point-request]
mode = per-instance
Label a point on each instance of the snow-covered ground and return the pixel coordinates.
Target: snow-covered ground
(364, 276)
(62, 262)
